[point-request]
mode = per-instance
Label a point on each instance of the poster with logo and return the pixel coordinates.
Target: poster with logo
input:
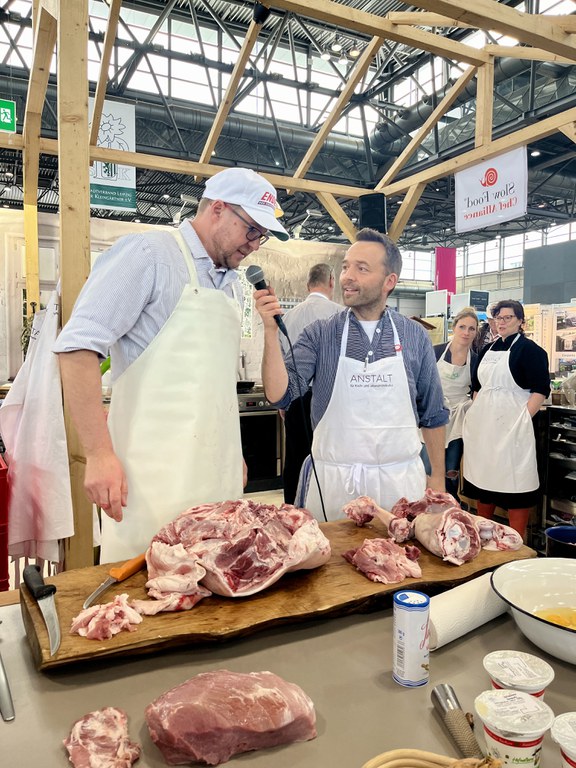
(113, 186)
(492, 192)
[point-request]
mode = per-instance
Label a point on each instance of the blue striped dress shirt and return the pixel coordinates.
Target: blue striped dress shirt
(318, 349)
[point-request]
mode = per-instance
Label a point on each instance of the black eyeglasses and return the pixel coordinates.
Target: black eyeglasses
(253, 232)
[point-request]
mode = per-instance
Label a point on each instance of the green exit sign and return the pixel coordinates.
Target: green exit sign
(7, 116)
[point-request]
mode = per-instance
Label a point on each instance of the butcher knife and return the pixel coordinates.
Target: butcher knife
(44, 595)
(116, 574)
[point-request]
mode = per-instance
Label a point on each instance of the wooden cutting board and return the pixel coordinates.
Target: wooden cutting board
(335, 589)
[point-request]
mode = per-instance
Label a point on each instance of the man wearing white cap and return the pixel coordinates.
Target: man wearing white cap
(167, 308)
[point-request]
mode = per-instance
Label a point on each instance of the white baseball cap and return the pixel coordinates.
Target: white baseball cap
(249, 190)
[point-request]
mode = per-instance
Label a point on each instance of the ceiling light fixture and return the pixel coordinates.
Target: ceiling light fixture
(336, 45)
(354, 52)
(535, 153)
(325, 55)
(343, 58)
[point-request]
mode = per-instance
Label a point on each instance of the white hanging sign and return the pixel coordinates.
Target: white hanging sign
(492, 192)
(113, 186)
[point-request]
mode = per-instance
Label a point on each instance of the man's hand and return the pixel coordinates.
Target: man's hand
(436, 483)
(244, 473)
(267, 306)
(105, 484)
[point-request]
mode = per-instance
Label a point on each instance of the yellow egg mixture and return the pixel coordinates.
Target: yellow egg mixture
(566, 617)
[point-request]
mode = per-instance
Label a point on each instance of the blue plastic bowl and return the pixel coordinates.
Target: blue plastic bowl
(561, 541)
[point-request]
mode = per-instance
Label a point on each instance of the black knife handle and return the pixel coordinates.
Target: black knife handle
(35, 582)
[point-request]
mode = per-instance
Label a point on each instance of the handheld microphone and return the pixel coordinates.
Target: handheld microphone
(255, 276)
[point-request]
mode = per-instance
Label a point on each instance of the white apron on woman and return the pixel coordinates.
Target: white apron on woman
(367, 441)
(499, 426)
(174, 418)
(456, 380)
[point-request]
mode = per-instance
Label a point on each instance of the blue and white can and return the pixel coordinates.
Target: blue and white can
(411, 646)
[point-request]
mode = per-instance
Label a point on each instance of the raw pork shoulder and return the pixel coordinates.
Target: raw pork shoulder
(218, 714)
(496, 536)
(384, 561)
(363, 509)
(100, 740)
(451, 535)
(432, 501)
(232, 548)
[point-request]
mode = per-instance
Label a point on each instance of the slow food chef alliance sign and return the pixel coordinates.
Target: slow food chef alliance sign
(492, 192)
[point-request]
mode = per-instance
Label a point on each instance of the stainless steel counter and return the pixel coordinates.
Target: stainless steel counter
(343, 664)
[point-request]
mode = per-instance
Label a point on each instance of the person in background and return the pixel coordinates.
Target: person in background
(168, 307)
(456, 364)
(487, 333)
(374, 382)
(298, 428)
(510, 385)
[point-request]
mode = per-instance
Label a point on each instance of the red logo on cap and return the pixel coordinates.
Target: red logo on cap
(268, 199)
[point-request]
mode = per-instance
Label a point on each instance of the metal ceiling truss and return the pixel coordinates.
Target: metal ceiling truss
(524, 91)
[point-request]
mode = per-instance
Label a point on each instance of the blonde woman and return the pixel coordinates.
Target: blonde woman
(456, 363)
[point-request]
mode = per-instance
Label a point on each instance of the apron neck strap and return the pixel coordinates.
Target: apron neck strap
(186, 253)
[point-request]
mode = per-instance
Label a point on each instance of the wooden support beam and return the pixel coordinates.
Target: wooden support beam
(31, 167)
(539, 130)
(192, 168)
(352, 81)
(569, 130)
(100, 94)
(337, 212)
(439, 112)
(73, 170)
(372, 24)
(406, 209)
(525, 52)
(425, 19)
(484, 104)
(532, 29)
(226, 104)
(45, 31)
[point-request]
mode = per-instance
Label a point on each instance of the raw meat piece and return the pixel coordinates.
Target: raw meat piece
(384, 561)
(100, 622)
(494, 536)
(218, 714)
(432, 501)
(233, 548)
(451, 534)
(363, 509)
(100, 740)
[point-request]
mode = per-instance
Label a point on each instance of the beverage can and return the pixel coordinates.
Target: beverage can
(411, 645)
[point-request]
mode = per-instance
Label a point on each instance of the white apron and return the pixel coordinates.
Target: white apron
(174, 418)
(499, 444)
(367, 441)
(456, 380)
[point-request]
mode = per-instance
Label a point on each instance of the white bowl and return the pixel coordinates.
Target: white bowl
(534, 585)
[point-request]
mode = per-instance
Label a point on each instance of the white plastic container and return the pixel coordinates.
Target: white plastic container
(519, 671)
(564, 734)
(411, 643)
(514, 726)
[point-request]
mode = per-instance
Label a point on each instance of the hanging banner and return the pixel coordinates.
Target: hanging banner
(492, 192)
(113, 186)
(446, 270)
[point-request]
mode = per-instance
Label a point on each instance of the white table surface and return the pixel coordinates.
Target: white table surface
(343, 664)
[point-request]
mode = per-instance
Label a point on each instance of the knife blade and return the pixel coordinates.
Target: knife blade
(116, 574)
(6, 703)
(44, 595)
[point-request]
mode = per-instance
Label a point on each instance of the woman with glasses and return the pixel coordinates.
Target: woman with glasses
(511, 383)
(456, 363)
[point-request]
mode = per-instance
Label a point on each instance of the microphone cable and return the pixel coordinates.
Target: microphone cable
(305, 421)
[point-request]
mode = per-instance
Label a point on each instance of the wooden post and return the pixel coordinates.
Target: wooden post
(73, 169)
